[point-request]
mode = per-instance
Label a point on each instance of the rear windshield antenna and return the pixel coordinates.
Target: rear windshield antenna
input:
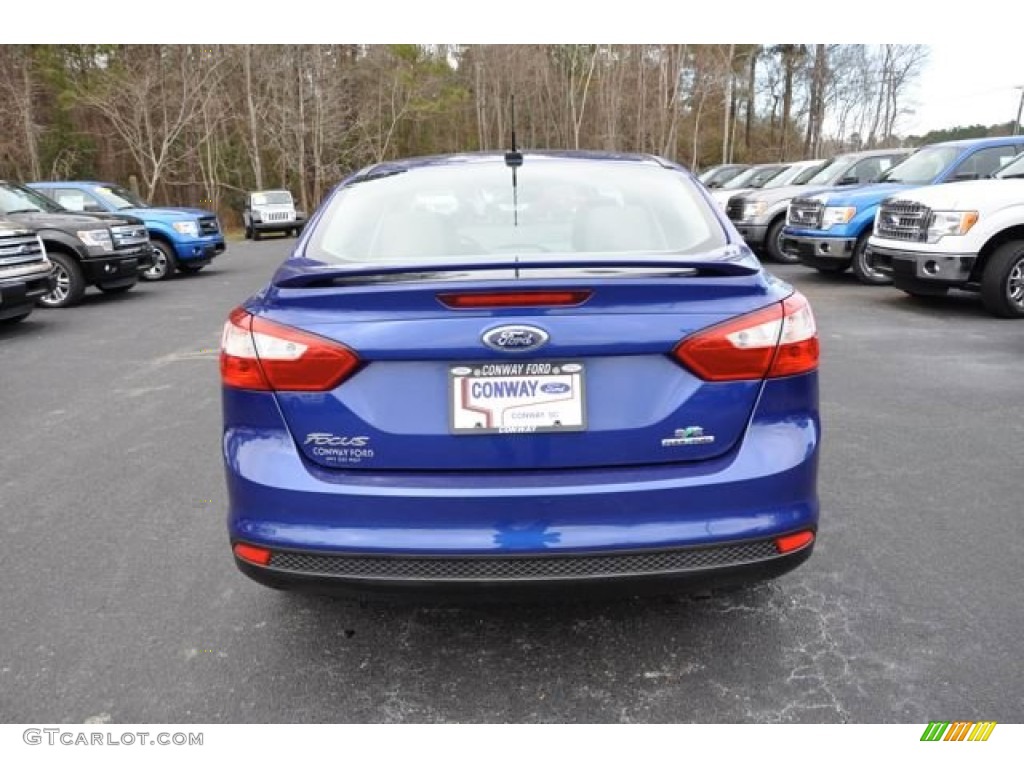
(514, 159)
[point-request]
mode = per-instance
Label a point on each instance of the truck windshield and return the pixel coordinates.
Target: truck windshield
(922, 167)
(120, 197)
(833, 171)
(796, 174)
(272, 198)
(755, 177)
(1012, 170)
(15, 198)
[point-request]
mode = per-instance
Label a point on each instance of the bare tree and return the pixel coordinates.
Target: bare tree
(149, 96)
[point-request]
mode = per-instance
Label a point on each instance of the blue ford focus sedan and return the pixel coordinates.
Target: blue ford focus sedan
(501, 371)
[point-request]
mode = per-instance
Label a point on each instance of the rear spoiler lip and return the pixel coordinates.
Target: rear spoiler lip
(305, 273)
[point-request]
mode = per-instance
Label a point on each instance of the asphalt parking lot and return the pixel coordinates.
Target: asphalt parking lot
(121, 603)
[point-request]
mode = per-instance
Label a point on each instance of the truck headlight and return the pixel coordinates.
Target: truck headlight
(753, 210)
(190, 228)
(837, 215)
(944, 223)
(97, 238)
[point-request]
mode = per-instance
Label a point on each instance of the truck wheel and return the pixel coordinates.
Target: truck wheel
(164, 262)
(70, 283)
(248, 232)
(863, 264)
(256, 234)
(773, 243)
(1002, 282)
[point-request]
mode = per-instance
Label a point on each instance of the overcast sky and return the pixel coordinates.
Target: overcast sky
(967, 83)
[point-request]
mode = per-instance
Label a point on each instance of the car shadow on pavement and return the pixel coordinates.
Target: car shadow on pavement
(960, 305)
(98, 299)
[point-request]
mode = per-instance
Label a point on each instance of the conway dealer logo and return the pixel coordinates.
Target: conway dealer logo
(959, 731)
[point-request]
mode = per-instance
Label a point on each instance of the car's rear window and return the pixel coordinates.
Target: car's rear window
(472, 209)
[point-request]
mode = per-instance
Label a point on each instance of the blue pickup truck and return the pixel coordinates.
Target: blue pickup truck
(185, 239)
(829, 230)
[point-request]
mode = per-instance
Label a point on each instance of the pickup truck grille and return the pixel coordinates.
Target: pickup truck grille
(903, 220)
(735, 208)
(208, 226)
(129, 236)
(805, 213)
(20, 249)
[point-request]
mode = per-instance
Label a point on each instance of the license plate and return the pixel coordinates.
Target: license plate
(516, 398)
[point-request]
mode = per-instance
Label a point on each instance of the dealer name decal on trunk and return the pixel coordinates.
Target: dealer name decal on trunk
(339, 449)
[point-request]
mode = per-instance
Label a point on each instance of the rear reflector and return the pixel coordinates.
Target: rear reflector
(780, 340)
(492, 300)
(251, 554)
(262, 355)
(793, 541)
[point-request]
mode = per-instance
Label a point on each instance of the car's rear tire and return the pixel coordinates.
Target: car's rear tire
(863, 264)
(116, 288)
(69, 282)
(1002, 282)
(773, 243)
(164, 262)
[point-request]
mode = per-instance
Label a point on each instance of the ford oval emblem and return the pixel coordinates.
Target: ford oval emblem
(515, 338)
(554, 388)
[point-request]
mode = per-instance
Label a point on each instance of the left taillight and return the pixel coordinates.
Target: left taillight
(780, 340)
(263, 355)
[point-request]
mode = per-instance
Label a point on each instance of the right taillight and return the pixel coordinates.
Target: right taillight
(780, 340)
(263, 355)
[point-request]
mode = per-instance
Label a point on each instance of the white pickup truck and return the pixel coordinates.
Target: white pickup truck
(967, 235)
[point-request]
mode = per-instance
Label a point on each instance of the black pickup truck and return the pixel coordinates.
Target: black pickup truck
(25, 272)
(105, 250)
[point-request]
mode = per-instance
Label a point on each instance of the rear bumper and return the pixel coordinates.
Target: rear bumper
(576, 574)
(765, 487)
(819, 251)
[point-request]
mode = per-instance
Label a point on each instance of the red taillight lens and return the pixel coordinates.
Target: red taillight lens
(262, 355)
(248, 552)
(780, 340)
(513, 299)
(793, 541)
(798, 343)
